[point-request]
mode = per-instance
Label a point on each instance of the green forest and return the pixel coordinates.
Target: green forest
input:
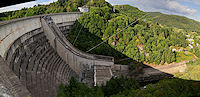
(147, 39)
(122, 87)
(56, 7)
(143, 41)
(184, 84)
(175, 21)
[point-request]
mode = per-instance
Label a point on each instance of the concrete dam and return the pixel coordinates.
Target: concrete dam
(36, 57)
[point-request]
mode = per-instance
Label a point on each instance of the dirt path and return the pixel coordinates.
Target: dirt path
(169, 68)
(152, 73)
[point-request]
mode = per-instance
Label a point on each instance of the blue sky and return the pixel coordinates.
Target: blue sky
(188, 8)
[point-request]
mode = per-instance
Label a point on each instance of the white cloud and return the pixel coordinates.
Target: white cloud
(196, 1)
(178, 8)
(22, 5)
(164, 6)
(192, 1)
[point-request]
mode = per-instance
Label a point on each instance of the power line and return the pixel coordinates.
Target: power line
(80, 30)
(115, 34)
(77, 35)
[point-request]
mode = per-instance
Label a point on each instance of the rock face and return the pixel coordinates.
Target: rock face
(40, 58)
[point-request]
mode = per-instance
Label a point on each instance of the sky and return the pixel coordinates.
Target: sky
(187, 8)
(27, 5)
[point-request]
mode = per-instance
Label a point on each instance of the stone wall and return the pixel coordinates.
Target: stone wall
(37, 62)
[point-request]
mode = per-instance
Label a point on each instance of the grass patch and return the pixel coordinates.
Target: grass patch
(192, 73)
(182, 56)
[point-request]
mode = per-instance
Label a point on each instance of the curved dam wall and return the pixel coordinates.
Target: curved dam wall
(28, 47)
(27, 52)
(79, 61)
(13, 29)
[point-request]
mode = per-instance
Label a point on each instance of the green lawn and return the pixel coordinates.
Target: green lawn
(182, 56)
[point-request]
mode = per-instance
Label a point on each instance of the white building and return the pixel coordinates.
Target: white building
(83, 9)
(177, 50)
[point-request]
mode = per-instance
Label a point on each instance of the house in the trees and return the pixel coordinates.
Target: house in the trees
(83, 9)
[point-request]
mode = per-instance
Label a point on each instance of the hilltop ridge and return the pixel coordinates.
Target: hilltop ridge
(124, 33)
(177, 21)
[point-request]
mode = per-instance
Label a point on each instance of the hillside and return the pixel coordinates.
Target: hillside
(175, 21)
(143, 41)
(129, 11)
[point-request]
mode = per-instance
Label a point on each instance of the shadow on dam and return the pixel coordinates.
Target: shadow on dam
(87, 40)
(40, 69)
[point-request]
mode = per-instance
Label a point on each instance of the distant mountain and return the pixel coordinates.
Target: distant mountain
(180, 22)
